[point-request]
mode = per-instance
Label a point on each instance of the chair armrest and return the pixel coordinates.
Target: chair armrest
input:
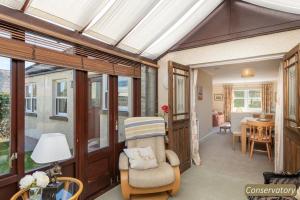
(123, 162)
(172, 158)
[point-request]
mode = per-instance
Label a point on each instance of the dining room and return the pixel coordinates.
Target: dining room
(243, 104)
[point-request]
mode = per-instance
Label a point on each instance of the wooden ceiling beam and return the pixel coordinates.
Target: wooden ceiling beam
(37, 25)
(25, 5)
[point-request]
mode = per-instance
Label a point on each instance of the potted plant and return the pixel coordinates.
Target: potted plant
(35, 183)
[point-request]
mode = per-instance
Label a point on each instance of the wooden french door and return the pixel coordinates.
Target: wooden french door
(179, 113)
(99, 170)
(110, 100)
(292, 110)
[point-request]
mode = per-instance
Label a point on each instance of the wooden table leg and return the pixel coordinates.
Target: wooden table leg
(244, 138)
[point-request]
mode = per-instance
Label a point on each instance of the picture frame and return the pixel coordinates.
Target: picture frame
(218, 97)
(200, 92)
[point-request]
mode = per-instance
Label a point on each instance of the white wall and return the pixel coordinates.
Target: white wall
(204, 106)
(276, 43)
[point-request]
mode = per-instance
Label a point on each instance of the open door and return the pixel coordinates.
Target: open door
(179, 113)
(291, 110)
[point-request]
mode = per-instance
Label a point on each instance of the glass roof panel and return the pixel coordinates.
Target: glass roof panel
(290, 6)
(120, 19)
(162, 17)
(15, 4)
(70, 13)
(183, 26)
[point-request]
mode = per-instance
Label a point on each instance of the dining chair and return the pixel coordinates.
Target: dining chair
(23, 194)
(261, 132)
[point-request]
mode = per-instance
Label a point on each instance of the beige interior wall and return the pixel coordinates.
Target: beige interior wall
(204, 106)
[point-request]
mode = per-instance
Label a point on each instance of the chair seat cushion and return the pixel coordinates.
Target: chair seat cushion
(156, 177)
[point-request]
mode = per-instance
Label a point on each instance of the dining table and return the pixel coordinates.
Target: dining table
(244, 127)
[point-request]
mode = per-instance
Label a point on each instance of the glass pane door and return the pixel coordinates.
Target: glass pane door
(5, 115)
(125, 100)
(98, 121)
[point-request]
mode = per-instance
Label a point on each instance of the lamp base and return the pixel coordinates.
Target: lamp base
(51, 190)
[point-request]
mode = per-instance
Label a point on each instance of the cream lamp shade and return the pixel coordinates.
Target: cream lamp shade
(51, 147)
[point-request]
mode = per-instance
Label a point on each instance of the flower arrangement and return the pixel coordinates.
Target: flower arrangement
(37, 179)
(35, 183)
(165, 109)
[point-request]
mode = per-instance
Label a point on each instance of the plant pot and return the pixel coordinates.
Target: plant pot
(35, 193)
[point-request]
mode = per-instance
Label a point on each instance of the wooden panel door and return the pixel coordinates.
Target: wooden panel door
(291, 110)
(179, 113)
(99, 171)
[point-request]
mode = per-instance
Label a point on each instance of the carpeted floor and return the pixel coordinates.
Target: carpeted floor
(222, 175)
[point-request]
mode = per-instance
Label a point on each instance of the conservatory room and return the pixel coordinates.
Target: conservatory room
(153, 99)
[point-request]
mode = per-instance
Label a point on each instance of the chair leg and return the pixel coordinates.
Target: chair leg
(251, 150)
(269, 152)
(233, 142)
(125, 188)
(176, 184)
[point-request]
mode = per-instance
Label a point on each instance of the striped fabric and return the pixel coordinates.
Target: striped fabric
(144, 127)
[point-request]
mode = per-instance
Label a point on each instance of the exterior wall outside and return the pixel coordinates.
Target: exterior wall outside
(37, 125)
(204, 107)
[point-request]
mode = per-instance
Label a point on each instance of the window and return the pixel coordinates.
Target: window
(61, 98)
(148, 91)
(98, 114)
(54, 86)
(5, 115)
(105, 92)
(125, 101)
(30, 98)
(247, 100)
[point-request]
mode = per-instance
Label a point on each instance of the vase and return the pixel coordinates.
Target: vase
(35, 193)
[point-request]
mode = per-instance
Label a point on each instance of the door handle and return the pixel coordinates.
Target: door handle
(14, 156)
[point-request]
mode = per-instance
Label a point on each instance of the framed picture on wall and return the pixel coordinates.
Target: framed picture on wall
(218, 97)
(200, 92)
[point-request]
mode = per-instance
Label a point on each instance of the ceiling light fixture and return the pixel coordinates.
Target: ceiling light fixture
(247, 73)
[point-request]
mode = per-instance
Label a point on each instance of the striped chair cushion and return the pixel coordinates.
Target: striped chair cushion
(144, 127)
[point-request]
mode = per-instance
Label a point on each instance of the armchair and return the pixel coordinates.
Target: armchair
(145, 132)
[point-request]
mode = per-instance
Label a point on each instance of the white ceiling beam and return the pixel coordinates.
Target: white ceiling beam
(151, 10)
(98, 16)
(177, 25)
(167, 29)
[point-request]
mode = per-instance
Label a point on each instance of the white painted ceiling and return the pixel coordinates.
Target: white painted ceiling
(266, 70)
(144, 27)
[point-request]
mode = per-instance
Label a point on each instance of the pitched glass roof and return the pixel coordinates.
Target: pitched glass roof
(144, 27)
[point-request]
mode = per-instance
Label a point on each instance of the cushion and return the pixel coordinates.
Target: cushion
(156, 143)
(156, 177)
(144, 127)
(141, 158)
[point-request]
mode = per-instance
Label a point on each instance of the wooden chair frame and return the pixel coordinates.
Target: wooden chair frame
(128, 190)
(67, 181)
(261, 132)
